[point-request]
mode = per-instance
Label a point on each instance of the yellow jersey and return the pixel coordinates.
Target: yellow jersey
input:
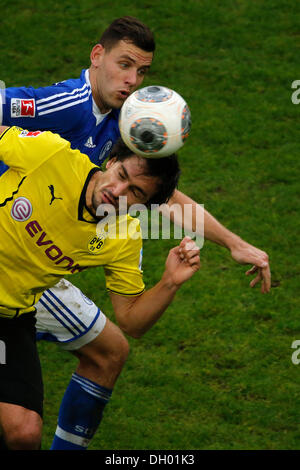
(46, 231)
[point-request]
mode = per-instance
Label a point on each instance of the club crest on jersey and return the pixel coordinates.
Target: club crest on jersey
(21, 209)
(95, 244)
(105, 149)
(22, 108)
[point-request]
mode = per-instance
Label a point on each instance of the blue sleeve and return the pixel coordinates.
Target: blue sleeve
(45, 108)
(3, 167)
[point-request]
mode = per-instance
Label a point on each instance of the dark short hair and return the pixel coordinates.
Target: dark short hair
(166, 169)
(129, 29)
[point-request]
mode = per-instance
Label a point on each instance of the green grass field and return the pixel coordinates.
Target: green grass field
(215, 372)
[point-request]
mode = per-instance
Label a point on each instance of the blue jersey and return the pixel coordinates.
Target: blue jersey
(66, 108)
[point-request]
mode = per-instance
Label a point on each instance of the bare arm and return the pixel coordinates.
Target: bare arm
(241, 251)
(2, 129)
(137, 315)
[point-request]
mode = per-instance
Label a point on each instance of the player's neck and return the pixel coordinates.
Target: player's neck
(90, 191)
(103, 108)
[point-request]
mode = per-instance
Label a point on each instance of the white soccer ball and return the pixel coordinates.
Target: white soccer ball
(154, 121)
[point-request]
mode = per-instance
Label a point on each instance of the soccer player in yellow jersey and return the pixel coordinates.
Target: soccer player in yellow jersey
(48, 228)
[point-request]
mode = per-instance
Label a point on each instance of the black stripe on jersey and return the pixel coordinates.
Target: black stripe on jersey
(81, 204)
(3, 133)
(125, 295)
(13, 193)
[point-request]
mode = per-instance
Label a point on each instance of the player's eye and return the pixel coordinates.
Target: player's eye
(142, 72)
(135, 192)
(122, 177)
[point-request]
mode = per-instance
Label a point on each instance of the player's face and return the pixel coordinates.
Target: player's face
(127, 179)
(117, 73)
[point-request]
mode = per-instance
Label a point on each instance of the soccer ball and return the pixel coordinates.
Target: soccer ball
(154, 121)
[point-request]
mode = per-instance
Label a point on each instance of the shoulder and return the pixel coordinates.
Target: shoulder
(125, 233)
(130, 235)
(45, 94)
(63, 96)
(58, 107)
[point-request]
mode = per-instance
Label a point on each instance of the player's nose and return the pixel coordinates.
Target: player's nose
(131, 77)
(120, 189)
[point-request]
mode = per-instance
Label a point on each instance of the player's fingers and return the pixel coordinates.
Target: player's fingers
(182, 246)
(264, 289)
(195, 262)
(184, 241)
(252, 270)
(257, 279)
(195, 251)
(175, 250)
(189, 252)
(266, 277)
(195, 259)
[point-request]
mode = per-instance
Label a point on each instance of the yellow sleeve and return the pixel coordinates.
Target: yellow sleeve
(125, 276)
(24, 151)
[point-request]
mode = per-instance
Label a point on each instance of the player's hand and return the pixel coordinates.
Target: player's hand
(244, 253)
(183, 261)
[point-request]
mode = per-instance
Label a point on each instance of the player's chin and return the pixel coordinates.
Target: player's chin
(119, 101)
(116, 104)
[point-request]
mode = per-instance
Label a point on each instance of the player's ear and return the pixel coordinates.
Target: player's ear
(96, 54)
(110, 162)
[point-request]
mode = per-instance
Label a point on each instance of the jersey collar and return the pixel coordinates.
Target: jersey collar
(84, 213)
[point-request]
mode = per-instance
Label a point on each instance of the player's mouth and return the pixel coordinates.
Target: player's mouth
(123, 94)
(108, 198)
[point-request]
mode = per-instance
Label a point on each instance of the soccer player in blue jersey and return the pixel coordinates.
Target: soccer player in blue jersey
(85, 111)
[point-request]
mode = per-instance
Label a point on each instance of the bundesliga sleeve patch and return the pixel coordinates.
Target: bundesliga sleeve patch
(22, 108)
(26, 133)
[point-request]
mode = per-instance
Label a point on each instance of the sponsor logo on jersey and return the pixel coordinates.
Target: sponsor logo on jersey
(89, 143)
(21, 209)
(95, 244)
(53, 197)
(22, 108)
(105, 149)
(52, 251)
